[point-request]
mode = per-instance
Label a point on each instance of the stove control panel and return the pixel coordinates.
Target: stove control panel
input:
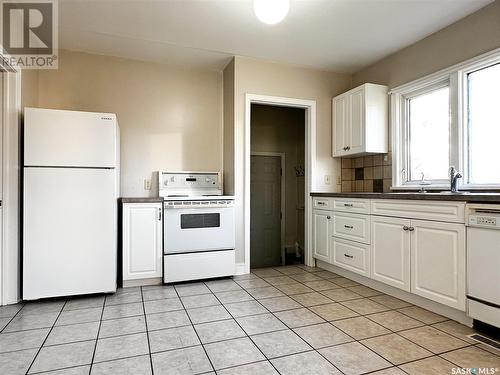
(189, 183)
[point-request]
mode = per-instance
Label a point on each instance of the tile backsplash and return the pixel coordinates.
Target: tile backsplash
(367, 173)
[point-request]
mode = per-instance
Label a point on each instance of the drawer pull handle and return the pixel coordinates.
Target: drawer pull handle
(321, 203)
(348, 226)
(348, 256)
(347, 204)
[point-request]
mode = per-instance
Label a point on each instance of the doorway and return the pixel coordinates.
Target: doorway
(277, 185)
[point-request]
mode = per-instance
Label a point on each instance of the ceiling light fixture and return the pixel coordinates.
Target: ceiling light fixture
(271, 11)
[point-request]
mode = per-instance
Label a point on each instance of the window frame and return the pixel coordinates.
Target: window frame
(456, 78)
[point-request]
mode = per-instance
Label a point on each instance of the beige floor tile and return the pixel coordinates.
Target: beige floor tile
(353, 358)
(396, 349)
(365, 291)
(390, 301)
(321, 285)
(333, 311)
(432, 339)
(426, 316)
(432, 365)
(279, 280)
(489, 349)
(456, 329)
(365, 306)
(344, 282)
(296, 288)
(360, 327)
(389, 371)
(395, 321)
(341, 294)
(311, 299)
(298, 318)
(472, 357)
(322, 335)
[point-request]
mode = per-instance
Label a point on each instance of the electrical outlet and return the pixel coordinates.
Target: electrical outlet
(328, 179)
(147, 184)
(339, 180)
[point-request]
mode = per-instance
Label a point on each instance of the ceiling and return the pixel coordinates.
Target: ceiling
(336, 35)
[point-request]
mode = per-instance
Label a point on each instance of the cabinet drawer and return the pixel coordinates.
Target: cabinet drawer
(352, 256)
(323, 203)
(436, 210)
(359, 206)
(354, 227)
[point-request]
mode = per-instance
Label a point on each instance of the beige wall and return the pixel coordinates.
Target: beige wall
(281, 129)
(228, 124)
(169, 117)
(471, 36)
(266, 78)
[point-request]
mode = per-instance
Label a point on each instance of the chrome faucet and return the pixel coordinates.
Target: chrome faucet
(454, 176)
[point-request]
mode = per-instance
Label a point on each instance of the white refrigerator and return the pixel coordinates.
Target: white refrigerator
(70, 191)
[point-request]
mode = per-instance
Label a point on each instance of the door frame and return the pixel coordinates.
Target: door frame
(281, 155)
(310, 162)
(10, 266)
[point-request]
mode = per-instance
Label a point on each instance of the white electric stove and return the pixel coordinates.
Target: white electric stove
(199, 238)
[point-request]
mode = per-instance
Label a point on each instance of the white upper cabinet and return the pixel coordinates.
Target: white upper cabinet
(360, 121)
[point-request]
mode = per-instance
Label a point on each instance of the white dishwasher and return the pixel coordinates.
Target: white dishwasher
(483, 263)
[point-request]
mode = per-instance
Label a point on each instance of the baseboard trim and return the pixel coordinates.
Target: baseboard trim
(435, 307)
(241, 269)
(142, 282)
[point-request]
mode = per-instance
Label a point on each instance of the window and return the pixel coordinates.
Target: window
(429, 135)
(449, 118)
(483, 125)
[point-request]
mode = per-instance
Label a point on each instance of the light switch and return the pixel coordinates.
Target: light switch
(328, 179)
(147, 184)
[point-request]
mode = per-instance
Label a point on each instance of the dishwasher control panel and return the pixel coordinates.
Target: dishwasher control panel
(483, 216)
(488, 221)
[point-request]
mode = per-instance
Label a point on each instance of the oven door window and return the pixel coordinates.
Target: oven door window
(193, 221)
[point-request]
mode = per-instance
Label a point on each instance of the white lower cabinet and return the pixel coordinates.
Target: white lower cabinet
(142, 241)
(353, 256)
(321, 234)
(438, 262)
(391, 251)
(420, 255)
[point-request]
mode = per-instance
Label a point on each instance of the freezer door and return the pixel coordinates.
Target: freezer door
(69, 138)
(69, 232)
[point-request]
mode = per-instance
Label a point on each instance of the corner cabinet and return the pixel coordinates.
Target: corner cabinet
(142, 241)
(360, 121)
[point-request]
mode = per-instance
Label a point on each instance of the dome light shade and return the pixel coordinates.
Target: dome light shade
(271, 11)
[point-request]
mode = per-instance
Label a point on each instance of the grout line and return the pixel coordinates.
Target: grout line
(147, 333)
(194, 329)
(97, 337)
(245, 332)
(46, 337)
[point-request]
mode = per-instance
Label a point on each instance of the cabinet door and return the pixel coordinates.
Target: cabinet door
(142, 240)
(339, 122)
(321, 235)
(391, 251)
(356, 127)
(438, 262)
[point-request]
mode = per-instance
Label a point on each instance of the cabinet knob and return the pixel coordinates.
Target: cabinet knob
(328, 217)
(411, 229)
(405, 227)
